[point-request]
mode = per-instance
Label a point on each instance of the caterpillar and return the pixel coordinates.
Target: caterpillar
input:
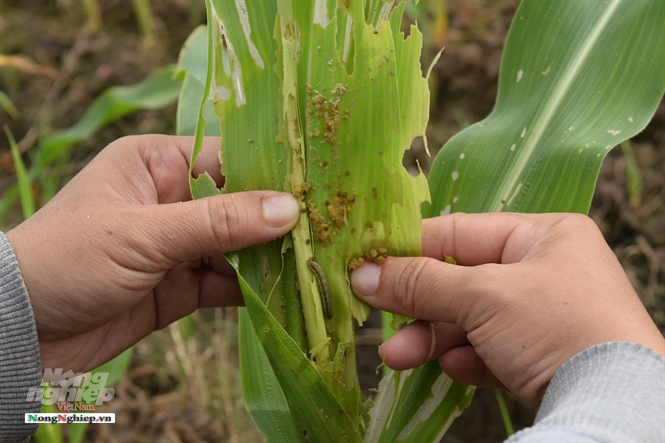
(326, 302)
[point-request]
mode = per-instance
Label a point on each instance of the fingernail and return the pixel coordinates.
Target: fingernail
(365, 279)
(280, 210)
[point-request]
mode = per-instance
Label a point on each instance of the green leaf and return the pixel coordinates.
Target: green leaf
(576, 79)
(417, 405)
(325, 109)
(7, 104)
(192, 70)
(261, 391)
(157, 91)
(24, 186)
(314, 408)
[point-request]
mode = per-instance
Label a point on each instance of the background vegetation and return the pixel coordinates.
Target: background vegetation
(57, 56)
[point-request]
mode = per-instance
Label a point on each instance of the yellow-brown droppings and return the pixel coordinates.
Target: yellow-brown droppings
(353, 230)
(319, 103)
(347, 173)
(375, 192)
(330, 111)
(308, 87)
(339, 89)
(339, 209)
(320, 227)
(355, 262)
(325, 163)
(301, 190)
(371, 255)
(317, 133)
(370, 225)
(250, 140)
(376, 254)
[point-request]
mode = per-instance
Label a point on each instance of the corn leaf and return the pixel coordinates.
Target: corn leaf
(192, 70)
(261, 391)
(433, 400)
(262, 394)
(323, 108)
(313, 406)
(577, 78)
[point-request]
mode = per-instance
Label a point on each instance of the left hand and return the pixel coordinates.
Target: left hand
(118, 252)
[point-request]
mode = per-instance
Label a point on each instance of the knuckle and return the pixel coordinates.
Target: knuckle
(226, 221)
(574, 222)
(409, 285)
(488, 289)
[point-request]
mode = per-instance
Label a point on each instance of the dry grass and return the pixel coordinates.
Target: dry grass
(182, 387)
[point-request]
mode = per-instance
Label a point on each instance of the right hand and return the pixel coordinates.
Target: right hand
(530, 292)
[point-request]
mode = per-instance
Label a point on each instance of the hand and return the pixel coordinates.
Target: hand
(118, 254)
(530, 292)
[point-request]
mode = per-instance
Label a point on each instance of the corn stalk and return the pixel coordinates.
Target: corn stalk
(321, 99)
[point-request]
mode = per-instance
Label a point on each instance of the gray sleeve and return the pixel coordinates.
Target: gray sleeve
(609, 392)
(20, 365)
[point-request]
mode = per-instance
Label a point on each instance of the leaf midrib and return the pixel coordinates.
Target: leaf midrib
(560, 91)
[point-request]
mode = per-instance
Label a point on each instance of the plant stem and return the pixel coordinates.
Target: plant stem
(309, 291)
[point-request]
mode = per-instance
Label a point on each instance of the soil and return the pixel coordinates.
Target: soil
(69, 64)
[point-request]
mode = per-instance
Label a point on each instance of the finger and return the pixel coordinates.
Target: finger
(181, 232)
(464, 365)
(426, 288)
(420, 342)
(208, 160)
(185, 290)
(473, 239)
(167, 160)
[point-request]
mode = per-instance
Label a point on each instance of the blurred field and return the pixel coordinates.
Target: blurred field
(183, 386)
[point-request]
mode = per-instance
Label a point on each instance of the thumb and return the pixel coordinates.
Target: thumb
(418, 287)
(215, 225)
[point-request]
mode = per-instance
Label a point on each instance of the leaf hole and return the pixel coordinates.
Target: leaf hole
(416, 158)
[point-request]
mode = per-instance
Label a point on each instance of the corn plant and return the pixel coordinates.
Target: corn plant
(321, 99)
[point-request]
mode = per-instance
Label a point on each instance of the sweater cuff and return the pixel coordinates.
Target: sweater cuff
(609, 392)
(20, 362)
